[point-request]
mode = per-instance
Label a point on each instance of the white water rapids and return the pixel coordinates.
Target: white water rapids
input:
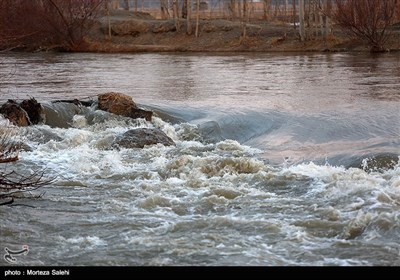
(274, 163)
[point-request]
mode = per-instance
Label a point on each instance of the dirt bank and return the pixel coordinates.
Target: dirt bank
(140, 32)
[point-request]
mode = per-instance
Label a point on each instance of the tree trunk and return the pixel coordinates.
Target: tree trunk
(294, 14)
(232, 9)
(175, 5)
(301, 15)
(197, 17)
(164, 9)
(126, 5)
(136, 5)
(115, 5)
(108, 20)
(188, 17)
(327, 17)
(184, 9)
(245, 18)
(265, 9)
(239, 7)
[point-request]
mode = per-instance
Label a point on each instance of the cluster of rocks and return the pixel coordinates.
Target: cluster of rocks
(30, 112)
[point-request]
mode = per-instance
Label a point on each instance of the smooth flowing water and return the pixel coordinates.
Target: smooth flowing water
(280, 159)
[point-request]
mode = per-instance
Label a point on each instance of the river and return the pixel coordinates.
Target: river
(280, 159)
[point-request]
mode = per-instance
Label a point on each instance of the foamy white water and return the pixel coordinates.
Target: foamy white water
(268, 184)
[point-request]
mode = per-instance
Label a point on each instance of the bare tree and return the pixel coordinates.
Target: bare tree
(164, 9)
(48, 23)
(107, 8)
(232, 9)
(72, 18)
(126, 5)
(367, 20)
(326, 17)
(189, 17)
(175, 8)
(294, 14)
(302, 31)
(266, 5)
(197, 17)
(245, 18)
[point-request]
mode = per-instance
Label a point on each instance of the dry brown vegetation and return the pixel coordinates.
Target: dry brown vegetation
(368, 20)
(183, 25)
(37, 24)
(12, 183)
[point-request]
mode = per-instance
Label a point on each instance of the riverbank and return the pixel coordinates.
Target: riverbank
(139, 32)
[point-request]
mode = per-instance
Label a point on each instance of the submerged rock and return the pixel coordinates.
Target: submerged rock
(41, 135)
(374, 162)
(123, 105)
(211, 131)
(140, 137)
(61, 114)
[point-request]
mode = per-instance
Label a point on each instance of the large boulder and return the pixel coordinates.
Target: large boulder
(140, 137)
(116, 103)
(26, 113)
(14, 113)
(123, 105)
(34, 110)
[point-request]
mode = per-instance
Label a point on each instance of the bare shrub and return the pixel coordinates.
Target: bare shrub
(46, 23)
(13, 183)
(367, 20)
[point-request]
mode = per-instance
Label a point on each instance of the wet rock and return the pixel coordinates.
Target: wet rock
(140, 113)
(75, 101)
(26, 113)
(41, 135)
(380, 162)
(374, 162)
(140, 137)
(116, 103)
(61, 114)
(123, 105)
(34, 110)
(14, 113)
(211, 131)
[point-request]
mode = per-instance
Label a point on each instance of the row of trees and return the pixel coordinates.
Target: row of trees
(368, 20)
(65, 23)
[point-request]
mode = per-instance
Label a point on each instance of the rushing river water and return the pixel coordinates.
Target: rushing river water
(280, 159)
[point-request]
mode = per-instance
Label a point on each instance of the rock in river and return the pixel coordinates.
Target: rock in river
(12, 111)
(140, 137)
(123, 105)
(26, 113)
